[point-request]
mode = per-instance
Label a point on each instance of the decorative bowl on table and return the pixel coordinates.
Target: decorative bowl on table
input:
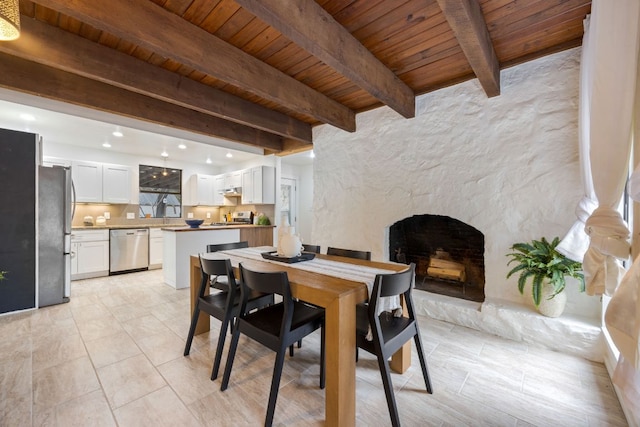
(194, 223)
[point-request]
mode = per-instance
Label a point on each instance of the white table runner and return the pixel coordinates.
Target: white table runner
(342, 270)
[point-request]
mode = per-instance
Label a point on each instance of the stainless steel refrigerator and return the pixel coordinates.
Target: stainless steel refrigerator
(55, 211)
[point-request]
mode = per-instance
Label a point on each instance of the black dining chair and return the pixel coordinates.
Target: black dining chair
(349, 253)
(276, 326)
(223, 305)
(311, 248)
(221, 282)
(390, 332)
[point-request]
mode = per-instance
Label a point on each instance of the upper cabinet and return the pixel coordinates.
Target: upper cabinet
(116, 184)
(233, 179)
(87, 179)
(101, 183)
(259, 185)
(201, 190)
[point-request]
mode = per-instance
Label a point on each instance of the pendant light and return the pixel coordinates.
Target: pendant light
(9, 19)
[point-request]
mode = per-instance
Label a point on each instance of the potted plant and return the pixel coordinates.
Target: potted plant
(2, 273)
(548, 269)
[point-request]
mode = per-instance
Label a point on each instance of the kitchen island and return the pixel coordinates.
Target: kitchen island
(182, 242)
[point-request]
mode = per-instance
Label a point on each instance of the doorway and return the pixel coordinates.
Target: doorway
(289, 200)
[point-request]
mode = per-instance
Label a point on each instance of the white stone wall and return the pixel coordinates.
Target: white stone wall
(507, 166)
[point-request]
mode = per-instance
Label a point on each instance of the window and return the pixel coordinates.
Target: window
(160, 192)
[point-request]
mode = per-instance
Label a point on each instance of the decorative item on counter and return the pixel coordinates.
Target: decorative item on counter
(194, 223)
(88, 220)
(263, 220)
(101, 220)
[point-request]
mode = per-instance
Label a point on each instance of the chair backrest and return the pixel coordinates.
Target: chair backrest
(213, 268)
(227, 246)
(275, 282)
(349, 253)
(311, 248)
(386, 285)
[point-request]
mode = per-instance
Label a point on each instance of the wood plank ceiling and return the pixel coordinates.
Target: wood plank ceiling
(264, 73)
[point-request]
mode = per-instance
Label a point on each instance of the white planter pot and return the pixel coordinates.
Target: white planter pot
(552, 307)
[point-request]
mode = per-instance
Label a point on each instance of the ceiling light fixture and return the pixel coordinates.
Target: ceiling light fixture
(117, 133)
(229, 155)
(209, 160)
(312, 154)
(182, 146)
(164, 153)
(9, 20)
(106, 144)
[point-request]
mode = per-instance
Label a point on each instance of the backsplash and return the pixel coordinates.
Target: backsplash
(118, 214)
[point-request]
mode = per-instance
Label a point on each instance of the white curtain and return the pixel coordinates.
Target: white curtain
(613, 40)
(576, 242)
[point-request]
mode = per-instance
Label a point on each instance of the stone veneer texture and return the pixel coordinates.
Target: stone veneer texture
(506, 165)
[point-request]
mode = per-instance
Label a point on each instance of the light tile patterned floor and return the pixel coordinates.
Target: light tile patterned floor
(113, 356)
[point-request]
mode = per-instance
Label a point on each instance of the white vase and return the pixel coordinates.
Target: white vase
(552, 307)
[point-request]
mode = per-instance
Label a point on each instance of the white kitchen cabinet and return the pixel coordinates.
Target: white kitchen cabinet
(259, 185)
(89, 254)
(218, 189)
(233, 179)
(155, 248)
(55, 161)
(87, 179)
(201, 190)
(116, 184)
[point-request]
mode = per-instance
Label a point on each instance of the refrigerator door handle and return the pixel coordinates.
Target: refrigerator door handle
(67, 244)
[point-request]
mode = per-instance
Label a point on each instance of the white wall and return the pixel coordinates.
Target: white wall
(303, 174)
(507, 166)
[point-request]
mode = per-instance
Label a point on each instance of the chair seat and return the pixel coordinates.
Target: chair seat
(305, 320)
(395, 332)
(218, 301)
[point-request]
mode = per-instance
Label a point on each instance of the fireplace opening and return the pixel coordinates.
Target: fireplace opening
(449, 254)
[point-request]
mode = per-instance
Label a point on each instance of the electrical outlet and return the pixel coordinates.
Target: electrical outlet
(131, 215)
(208, 215)
(107, 215)
(190, 215)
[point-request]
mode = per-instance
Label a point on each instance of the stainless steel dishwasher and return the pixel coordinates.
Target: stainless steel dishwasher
(129, 250)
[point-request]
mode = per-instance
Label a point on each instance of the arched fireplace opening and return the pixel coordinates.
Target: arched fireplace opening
(449, 254)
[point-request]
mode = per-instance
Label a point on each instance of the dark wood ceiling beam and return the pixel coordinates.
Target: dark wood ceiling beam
(309, 26)
(37, 79)
(467, 22)
(60, 49)
(152, 27)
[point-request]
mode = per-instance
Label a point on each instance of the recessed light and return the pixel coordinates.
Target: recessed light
(229, 155)
(117, 134)
(164, 154)
(312, 154)
(182, 146)
(209, 160)
(106, 145)
(27, 117)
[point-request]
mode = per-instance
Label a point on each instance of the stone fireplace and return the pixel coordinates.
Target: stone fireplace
(448, 253)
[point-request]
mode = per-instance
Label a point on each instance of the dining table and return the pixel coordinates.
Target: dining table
(339, 297)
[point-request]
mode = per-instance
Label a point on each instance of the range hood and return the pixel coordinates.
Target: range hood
(232, 192)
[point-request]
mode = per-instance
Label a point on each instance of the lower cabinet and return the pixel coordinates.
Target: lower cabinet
(155, 248)
(89, 254)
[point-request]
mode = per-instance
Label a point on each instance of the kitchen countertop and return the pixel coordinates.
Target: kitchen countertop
(166, 227)
(214, 227)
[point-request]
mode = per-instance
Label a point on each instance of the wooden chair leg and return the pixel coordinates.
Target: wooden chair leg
(275, 385)
(385, 372)
(192, 330)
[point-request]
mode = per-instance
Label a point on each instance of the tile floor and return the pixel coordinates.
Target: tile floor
(113, 356)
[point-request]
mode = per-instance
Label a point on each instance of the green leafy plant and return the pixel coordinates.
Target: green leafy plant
(2, 273)
(539, 260)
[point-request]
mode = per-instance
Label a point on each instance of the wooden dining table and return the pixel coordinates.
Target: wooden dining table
(339, 298)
